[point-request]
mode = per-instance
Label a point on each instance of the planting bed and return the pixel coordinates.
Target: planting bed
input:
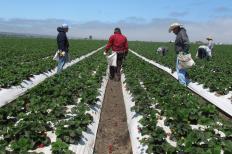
(174, 119)
(215, 74)
(21, 58)
(57, 106)
(79, 112)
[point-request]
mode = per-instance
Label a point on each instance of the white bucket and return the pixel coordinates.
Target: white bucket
(112, 59)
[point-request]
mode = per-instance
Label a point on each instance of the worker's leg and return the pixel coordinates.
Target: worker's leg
(67, 57)
(182, 75)
(112, 72)
(205, 54)
(119, 65)
(60, 65)
(200, 53)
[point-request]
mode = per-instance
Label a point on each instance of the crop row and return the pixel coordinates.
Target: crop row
(196, 126)
(215, 74)
(23, 57)
(59, 105)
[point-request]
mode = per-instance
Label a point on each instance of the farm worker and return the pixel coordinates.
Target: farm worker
(162, 50)
(210, 45)
(182, 44)
(203, 52)
(63, 45)
(119, 44)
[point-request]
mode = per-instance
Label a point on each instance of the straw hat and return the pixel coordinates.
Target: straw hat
(173, 26)
(209, 38)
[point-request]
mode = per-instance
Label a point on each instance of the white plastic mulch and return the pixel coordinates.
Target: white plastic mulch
(132, 121)
(8, 95)
(87, 141)
(222, 102)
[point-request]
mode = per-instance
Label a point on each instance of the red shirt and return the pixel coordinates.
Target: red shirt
(118, 43)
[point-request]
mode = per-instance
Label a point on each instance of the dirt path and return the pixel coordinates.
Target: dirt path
(113, 136)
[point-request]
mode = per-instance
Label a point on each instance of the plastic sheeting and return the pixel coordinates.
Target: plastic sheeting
(87, 141)
(132, 121)
(222, 102)
(8, 95)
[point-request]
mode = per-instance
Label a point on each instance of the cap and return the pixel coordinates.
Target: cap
(65, 26)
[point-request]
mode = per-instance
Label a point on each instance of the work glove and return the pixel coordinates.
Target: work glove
(62, 54)
(105, 53)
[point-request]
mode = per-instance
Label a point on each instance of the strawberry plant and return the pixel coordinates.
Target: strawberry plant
(29, 116)
(22, 145)
(214, 74)
(60, 147)
(159, 95)
(24, 57)
(71, 130)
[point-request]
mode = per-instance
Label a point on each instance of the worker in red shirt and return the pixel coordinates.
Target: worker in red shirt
(119, 44)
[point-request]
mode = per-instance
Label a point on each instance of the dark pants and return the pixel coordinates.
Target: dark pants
(202, 53)
(164, 52)
(115, 72)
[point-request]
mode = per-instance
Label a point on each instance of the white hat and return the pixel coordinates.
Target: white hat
(173, 26)
(209, 38)
(65, 26)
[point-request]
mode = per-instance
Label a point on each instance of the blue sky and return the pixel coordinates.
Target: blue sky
(112, 11)
(147, 20)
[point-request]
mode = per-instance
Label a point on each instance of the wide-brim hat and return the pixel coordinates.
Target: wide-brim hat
(209, 38)
(173, 26)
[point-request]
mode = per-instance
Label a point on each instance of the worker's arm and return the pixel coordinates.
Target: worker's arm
(185, 41)
(109, 44)
(61, 42)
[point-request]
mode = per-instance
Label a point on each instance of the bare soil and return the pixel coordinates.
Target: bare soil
(113, 136)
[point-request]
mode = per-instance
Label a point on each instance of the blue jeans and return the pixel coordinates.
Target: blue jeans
(61, 63)
(182, 74)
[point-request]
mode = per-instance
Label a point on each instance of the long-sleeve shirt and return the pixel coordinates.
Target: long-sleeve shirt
(182, 43)
(62, 40)
(118, 43)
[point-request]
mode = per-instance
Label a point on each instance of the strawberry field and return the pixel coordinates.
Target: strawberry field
(194, 126)
(58, 105)
(27, 57)
(215, 74)
(53, 116)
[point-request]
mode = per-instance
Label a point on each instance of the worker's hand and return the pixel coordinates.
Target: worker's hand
(62, 53)
(105, 53)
